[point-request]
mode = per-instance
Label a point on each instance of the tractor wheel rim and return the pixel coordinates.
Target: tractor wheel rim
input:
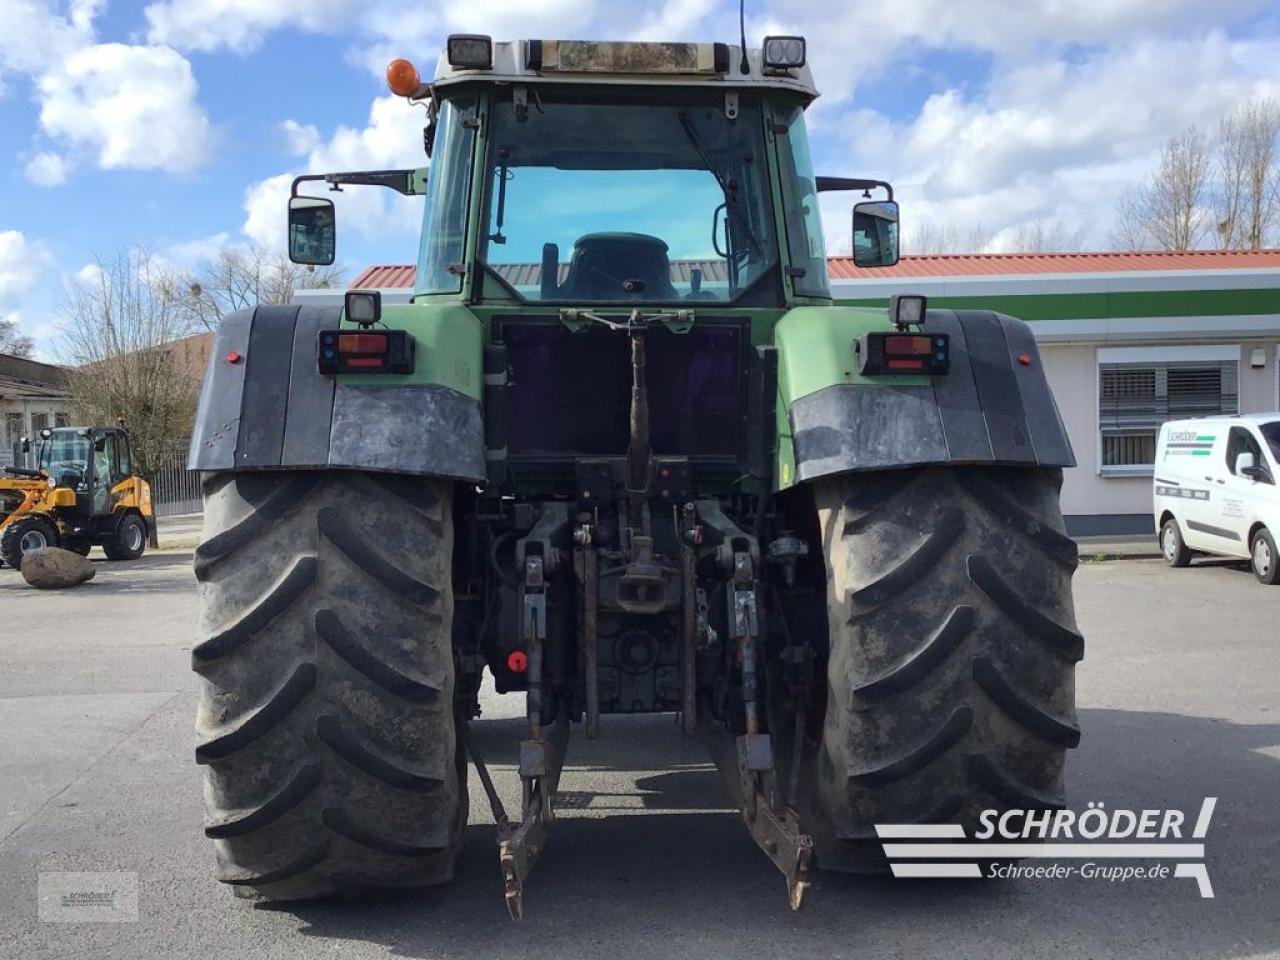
(33, 540)
(134, 537)
(1261, 557)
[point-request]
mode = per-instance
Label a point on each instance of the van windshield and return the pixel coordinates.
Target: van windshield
(1271, 433)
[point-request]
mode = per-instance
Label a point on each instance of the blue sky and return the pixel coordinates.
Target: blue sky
(178, 123)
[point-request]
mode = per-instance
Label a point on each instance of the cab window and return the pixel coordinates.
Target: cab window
(1271, 433)
(1241, 441)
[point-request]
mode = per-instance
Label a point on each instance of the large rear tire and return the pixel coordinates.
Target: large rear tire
(953, 648)
(326, 721)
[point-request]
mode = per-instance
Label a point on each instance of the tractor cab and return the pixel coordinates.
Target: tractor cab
(582, 173)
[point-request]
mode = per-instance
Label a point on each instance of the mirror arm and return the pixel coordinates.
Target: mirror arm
(834, 184)
(399, 180)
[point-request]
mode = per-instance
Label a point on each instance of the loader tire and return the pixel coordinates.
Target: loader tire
(326, 724)
(951, 684)
(26, 533)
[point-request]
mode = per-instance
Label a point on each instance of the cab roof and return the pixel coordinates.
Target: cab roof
(1252, 419)
(626, 63)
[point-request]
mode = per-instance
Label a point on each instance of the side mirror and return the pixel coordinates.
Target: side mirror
(1246, 466)
(875, 233)
(313, 230)
(26, 444)
(100, 444)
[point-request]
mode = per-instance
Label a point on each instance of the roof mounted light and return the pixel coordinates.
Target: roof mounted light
(784, 53)
(402, 78)
(469, 51)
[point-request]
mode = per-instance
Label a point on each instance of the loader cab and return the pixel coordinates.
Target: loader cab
(92, 461)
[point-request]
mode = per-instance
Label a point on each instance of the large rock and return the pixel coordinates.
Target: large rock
(53, 568)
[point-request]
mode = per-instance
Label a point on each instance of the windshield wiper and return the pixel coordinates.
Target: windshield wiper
(730, 194)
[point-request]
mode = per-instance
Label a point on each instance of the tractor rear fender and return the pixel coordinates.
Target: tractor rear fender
(994, 405)
(266, 406)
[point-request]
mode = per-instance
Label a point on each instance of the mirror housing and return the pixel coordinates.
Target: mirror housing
(313, 232)
(26, 444)
(875, 233)
(1246, 466)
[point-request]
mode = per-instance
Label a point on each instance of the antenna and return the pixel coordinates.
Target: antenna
(742, 25)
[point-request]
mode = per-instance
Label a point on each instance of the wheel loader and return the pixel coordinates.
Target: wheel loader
(624, 453)
(83, 494)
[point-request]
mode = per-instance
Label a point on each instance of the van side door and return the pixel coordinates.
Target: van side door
(1184, 478)
(1239, 504)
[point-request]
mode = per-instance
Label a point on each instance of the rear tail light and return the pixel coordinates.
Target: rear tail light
(381, 351)
(903, 353)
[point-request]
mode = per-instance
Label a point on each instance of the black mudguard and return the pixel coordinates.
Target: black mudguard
(271, 408)
(993, 407)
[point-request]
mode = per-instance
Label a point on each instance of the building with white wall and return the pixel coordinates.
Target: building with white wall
(1128, 340)
(33, 396)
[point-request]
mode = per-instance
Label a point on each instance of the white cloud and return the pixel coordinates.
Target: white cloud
(46, 170)
(242, 25)
(23, 264)
(391, 139)
(300, 139)
(121, 105)
(34, 34)
(264, 208)
(1050, 140)
(134, 107)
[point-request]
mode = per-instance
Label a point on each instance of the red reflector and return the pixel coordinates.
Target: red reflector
(364, 362)
(517, 662)
(1024, 359)
(908, 345)
(233, 357)
(362, 343)
(904, 364)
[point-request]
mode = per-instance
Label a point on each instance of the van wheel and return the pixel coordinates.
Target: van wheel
(1263, 558)
(1171, 545)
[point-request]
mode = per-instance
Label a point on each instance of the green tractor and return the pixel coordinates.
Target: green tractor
(623, 451)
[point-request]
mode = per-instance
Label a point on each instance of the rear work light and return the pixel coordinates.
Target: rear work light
(368, 351)
(919, 353)
(783, 53)
(469, 51)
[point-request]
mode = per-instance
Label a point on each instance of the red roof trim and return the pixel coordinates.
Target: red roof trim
(976, 264)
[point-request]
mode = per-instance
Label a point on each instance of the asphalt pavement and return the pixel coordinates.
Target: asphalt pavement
(1177, 700)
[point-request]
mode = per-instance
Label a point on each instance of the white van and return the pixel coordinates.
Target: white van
(1216, 490)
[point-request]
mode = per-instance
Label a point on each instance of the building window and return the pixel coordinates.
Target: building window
(61, 420)
(11, 449)
(1137, 393)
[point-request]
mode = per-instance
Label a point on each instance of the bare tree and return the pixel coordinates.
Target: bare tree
(14, 342)
(1130, 229)
(1042, 236)
(1168, 211)
(931, 238)
(123, 322)
(245, 277)
(1248, 191)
